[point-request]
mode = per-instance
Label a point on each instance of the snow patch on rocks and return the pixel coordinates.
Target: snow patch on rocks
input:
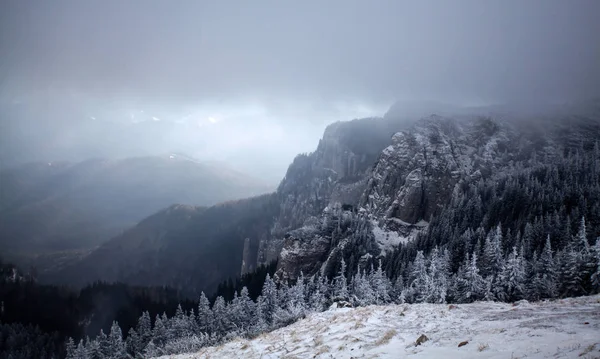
(386, 239)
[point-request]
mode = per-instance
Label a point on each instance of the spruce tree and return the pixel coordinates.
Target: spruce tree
(205, 317)
(570, 273)
(115, 338)
(159, 333)
(595, 277)
(470, 286)
(282, 294)
(247, 308)
(269, 296)
(533, 279)
(260, 324)
(438, 274)
(588, 258)
(340, 285)
(296, 294)
(70, 348)
(512, 278)
(364, 293)
(168, 323)
(381, 285)
(398, 290)
(318, 297)
(547, 272)
(93, 349)
(489, 294)
(81, 352)
(152, 350)
(234, 312)
(222, 323)
(104, 344)
(144, 330)
(419, 280)
(132, 343)
(581, 242)
(180, 324)
(492, 253)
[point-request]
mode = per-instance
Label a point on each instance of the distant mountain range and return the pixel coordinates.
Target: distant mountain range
(59, 206)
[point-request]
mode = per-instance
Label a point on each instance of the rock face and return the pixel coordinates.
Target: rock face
(416, 174)
(390, 197)
(303, 251)
(393, 193)
(246, 267)
(336, 172)
(395, 182)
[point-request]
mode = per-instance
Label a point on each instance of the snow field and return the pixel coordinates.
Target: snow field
(567, 328)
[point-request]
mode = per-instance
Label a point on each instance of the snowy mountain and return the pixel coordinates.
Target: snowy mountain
(424, 169)
(448, 209)
(566, 328)
(388, 187)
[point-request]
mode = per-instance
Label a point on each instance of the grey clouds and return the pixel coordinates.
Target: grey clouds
(284, 69)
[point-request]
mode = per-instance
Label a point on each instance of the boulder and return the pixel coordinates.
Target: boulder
(422, 339)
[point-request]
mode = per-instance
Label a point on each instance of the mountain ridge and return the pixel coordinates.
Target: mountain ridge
(373, 185)
(61, 206)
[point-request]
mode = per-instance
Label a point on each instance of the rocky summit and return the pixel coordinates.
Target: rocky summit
(391, 187)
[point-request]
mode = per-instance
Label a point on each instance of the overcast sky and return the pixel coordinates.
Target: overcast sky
(245, 77)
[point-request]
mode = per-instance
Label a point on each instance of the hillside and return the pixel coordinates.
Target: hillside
(50, 208)
(566, 328)
(184, 247)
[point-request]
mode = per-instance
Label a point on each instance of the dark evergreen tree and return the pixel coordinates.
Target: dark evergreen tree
(512, 278)
(570, 272)
(221, 319)
(205, 318)
(492, 253)
(340, 284)
(269, 297)
(419, 280)
(546, 272)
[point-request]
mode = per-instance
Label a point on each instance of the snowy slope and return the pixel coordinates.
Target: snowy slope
(568, 328)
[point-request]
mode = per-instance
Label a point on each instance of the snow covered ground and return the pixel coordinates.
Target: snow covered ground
(568, 328)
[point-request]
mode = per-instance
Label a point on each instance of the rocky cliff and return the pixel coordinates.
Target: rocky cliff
(337, 172)
(388, 198)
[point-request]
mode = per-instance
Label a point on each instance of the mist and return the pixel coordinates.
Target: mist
(252, 84)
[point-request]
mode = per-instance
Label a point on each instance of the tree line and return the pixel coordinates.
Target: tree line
(493, 276)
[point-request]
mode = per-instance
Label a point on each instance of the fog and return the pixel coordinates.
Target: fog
(252, 83)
